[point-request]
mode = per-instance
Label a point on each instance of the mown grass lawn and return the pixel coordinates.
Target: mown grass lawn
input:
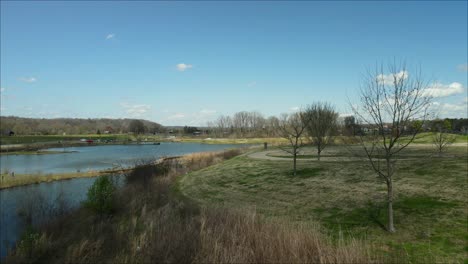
(345, 197)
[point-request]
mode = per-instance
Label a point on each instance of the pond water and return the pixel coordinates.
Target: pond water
(98, 157)
(71, 192)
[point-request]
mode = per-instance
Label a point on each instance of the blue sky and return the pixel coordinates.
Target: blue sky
(185, 63)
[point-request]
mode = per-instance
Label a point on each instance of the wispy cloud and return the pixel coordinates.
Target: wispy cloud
(294, 109)
(183, 67)
(207, 112)
(176, 116)
(450, 110)
(199, 118)
(110, 36)
(443, 90)
(252, 84)
(2, 89)
(135, 110)
(463, 67)
(28, 79)
(388, 79)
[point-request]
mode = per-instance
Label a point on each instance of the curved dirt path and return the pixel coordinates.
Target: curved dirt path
(270, 154)
(264, 155)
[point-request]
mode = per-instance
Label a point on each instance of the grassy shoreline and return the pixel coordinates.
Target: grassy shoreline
(8, 181)
(34, 152)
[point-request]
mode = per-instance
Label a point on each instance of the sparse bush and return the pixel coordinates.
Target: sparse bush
(231, 153)
(28, 240)
(31, 246)
(144, 170)
(100, 196)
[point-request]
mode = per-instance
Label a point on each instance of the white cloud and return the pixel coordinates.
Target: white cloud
(110, 36)
(176, 116)
(199, 118)
(453, 107)
(28, 79)
(207, 112)
(463, 67)
(450, 110)
(388, 79)
(294, 109)
(136, 110)
(183, 66)
(443, 90)
(252, 84)
(2, 90)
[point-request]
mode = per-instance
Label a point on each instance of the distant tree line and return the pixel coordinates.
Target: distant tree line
(59, 126)
(254, 124)
(451, 125)
(243, 124)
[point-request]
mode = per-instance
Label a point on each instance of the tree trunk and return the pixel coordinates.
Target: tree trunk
(294, 157)
(318, 153)
(390, 227)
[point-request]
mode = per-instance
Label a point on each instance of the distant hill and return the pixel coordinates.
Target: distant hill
(58, 126)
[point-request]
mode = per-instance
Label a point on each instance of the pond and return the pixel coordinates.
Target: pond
(98, 157)
(71, 192)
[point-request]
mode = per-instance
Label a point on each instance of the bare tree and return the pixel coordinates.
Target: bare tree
(389, 105)
(350, 127)
(137, 127)
(321, 120)
(291, 127)
(441, 138)
(270, 126)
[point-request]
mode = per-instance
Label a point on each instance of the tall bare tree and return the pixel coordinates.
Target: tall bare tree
(321, 123)
(389, 105)
(292, 127)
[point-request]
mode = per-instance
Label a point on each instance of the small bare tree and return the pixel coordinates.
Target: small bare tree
(291, 127)
(321, 124)
(389, 105)
(441, 138)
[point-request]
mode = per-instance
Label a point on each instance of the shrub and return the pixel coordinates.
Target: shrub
(101, 195)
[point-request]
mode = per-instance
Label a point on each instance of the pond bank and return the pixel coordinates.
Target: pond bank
(34, 152)
(14, 180)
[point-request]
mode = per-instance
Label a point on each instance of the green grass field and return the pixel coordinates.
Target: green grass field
(426, 138)
(346, 197)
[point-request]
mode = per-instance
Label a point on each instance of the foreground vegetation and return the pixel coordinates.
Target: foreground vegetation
(151, 221)
(346, 198)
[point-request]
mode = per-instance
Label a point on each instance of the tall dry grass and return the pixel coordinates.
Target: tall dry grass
(231, 236)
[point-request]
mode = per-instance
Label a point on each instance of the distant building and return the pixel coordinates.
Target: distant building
(108, 130)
